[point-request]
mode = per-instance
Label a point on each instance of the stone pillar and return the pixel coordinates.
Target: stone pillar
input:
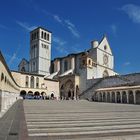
(102, 99)
(115, 97)
(110, 100)
(121, 96)
(58, 65)
(106, 96)
(134, 94)
(127, 97)
(72, 63)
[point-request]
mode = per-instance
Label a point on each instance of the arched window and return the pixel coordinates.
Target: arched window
(65, 65)
(27, 81)
(32, 82)
(42, 34)
(45, 36)
(105, 73)
(48, 37)
(23, 69)
(37, 82)
(89, 62)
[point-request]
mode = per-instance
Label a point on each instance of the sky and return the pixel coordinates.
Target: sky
(74, 24)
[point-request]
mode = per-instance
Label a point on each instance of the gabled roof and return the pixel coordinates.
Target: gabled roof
(23, 59)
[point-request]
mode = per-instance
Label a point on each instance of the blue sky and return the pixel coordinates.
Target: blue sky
(74, 24)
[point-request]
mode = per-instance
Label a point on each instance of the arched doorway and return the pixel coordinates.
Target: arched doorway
(113, 97)
(131, 97)
(36, 95)
(124, 97)
(43, 94)
(108, 97)
(69, 87)
(118, 97)
(104, 98)
(100, 97)
(23, 93)
(138, 97)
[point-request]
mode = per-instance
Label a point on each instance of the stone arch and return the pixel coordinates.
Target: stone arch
(69, 87)
(105, 73)
(100, 97)
(108, 97)
(43, 94)
(37, 82)
(104, 97)
(23, 93)
(36, 93)
(113, 97)
(27, 81)
(118, 97)
(124, 97)
(2, 76)
(30, 93)
(131, 97)
(32, 82)
(137, 97)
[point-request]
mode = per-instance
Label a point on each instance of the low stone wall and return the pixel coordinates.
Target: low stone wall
(7, 99)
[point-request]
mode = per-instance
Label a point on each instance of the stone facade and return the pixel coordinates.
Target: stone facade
(36, 84)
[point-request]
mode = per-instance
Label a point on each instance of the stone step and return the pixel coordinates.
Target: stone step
(94, 133)
(86, 128)
(65, 125)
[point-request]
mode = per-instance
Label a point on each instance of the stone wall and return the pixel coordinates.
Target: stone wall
(9, 90)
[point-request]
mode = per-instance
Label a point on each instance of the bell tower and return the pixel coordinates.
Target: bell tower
(40, 51)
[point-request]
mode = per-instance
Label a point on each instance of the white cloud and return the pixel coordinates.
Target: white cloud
(60, 45)
(69, 23)
(59, 41)
(65, 23)
(25, 25)
(74, 31)
(57, 18)
(14, 56)
(126, 63)
(133, 11)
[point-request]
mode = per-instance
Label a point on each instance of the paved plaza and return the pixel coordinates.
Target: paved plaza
(81, 120)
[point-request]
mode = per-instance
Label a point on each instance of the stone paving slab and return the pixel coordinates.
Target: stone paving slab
(12, 124)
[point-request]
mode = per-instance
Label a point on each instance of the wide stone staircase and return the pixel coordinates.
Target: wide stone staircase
(81, 120)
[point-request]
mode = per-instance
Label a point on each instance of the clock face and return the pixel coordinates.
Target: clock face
(105, 59)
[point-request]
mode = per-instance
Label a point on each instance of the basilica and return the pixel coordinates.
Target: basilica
(86, 75)
(73, 72)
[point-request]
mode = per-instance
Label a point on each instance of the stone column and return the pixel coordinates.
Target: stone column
(58, 65)
(121, 96)
(115, 97)
(72, 63)
(127, 97)
(134, 94)
(102, 99)
(110, 100)
(106, 96)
